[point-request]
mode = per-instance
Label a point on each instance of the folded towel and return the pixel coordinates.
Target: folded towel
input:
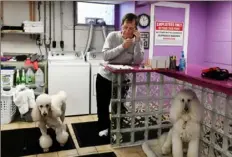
(24, 98)
(21, 102)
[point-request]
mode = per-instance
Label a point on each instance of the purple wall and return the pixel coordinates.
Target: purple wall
(210, 31)
(144, 9)
(197, 35)
(196, 44)
(127, 7)
(117, 17)
(219, 35)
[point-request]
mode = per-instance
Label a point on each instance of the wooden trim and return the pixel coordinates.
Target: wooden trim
(30, 10)
(34, 11)
(2, 12)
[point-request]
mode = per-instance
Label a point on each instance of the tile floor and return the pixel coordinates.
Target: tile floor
(120, 152)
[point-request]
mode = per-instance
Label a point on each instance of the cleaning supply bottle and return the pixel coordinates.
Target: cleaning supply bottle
(23, 77)
(30, 77)
(182, 63)
(18, 80)
(174, 62)
(39, 80)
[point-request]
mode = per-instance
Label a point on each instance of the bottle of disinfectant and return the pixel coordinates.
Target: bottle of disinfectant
(182, 64)
(30, 77)
(39, 80)
(23, 77)
(18, 80)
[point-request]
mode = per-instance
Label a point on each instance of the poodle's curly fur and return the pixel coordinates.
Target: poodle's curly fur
(185, 115)
(50, 113)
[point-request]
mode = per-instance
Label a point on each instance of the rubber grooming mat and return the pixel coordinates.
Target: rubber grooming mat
(110, 154)
(87, 134)
(23, 142)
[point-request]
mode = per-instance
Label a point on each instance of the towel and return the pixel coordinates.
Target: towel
(24, 98)
(34, 29)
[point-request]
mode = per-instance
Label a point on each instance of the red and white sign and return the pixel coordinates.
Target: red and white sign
(169, 33)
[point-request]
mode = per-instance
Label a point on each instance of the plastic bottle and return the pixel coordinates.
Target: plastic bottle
(174, 62)
(30, 77)
(182, 62)
(23, 77)
(18, 80)
(39, 80)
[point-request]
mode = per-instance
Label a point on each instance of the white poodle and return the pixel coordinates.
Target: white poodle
(50, 112)
(185, 114)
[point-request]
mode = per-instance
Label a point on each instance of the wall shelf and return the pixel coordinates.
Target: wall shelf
(18, 32)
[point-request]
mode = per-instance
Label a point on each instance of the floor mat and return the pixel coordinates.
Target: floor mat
(22, 142)
(87, 134)
(110, 154)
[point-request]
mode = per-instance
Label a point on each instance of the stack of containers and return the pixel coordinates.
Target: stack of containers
(33, 26)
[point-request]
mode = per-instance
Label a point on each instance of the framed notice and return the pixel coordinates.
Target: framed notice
(145, 38)
(169, 33)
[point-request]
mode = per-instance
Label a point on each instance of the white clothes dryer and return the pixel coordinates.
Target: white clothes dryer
(94, 58)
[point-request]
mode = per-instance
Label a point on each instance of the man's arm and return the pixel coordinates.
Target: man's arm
(138, 52)
(109, 51)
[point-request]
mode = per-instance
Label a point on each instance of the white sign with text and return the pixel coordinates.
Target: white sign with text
(169, 33)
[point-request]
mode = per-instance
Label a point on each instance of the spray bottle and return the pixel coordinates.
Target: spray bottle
(182, 63)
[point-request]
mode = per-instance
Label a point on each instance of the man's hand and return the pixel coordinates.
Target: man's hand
(127, 43)
(137, 35)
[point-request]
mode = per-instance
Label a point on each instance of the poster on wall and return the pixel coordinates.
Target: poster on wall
(169, 33)
(145, 38)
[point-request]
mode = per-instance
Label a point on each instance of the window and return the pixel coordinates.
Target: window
(95, 10)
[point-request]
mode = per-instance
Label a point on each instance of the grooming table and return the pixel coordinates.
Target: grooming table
(147, 99)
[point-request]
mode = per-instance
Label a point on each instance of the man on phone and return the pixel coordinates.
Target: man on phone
(120, 47)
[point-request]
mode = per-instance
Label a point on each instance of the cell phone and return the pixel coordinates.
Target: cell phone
(136, 28)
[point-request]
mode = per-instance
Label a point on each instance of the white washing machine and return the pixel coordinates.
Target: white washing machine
(94, 58)
(70, 73)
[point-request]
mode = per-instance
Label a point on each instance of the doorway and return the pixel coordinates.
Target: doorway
(181, 13)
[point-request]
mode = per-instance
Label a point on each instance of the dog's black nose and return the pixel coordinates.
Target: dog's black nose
(44, 114)
(186, 108)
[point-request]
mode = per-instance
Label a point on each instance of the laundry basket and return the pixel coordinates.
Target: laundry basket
(8, 108)
(7, 77)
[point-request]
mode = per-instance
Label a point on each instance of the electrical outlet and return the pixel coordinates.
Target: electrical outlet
(39, 42)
